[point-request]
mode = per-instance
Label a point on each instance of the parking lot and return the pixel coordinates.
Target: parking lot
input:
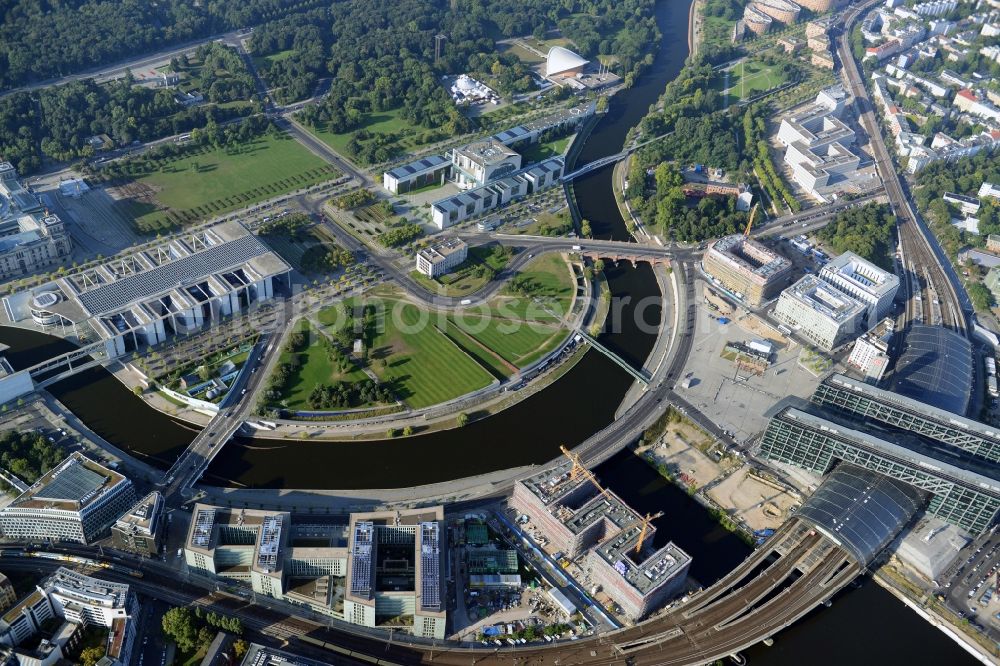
(969, 584)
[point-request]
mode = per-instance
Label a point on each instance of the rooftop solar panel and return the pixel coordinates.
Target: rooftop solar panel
(114, 296)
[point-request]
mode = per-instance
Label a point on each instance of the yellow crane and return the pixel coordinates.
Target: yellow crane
(753, 214)
(644, 532)
(579, 469)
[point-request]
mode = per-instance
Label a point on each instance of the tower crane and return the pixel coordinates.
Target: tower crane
(579, 470)
(753, 214)
(644, 532)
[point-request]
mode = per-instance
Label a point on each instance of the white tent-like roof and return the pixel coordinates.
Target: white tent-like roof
(560, 60)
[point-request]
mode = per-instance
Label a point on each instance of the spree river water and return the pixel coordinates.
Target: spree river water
(864, 626)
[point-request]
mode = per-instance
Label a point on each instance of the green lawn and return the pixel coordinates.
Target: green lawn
(750, 77)
(523, 54)
(423, 366)
(537, 152)
(546, 280)
(486, 357)
(512, 339)
(213, 181)
(381, 122)
(314, 368)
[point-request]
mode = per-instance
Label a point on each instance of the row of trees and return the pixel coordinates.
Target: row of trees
(41, 40)
(190, 629)
(401, 235)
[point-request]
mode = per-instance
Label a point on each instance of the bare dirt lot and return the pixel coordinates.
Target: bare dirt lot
(759, 504)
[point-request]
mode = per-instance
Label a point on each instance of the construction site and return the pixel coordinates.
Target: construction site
(607, 540)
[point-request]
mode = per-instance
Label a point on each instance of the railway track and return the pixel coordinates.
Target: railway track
(931, 295)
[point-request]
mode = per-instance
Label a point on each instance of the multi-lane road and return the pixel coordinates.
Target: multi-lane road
(117, 70)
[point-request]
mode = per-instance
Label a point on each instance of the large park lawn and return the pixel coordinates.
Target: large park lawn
(214, 180)
(518, 342)
(542, 291)
(314, 369)
(421, 363)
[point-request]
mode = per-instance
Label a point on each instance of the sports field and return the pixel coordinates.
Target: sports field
(214, 180)
(423, 366)
(749, 77)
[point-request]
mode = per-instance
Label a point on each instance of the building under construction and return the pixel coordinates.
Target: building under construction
(577, 515)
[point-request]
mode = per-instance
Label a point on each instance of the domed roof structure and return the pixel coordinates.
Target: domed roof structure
(561, 60)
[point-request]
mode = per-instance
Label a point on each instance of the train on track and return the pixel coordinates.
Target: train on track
(28, 551)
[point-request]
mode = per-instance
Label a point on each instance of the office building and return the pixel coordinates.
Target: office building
(243, 545)
(482, 162)
(863, 281)
(950, 458)
(870, 354)
(431, 170)
(442, 257)
(822, 315)
(818, 145)
(31, 238)
(79, 600)
(452, 210)
(373, 570)
(141, 529)
(745, 268)
(7, 596)
(395, 568)
(638, 582)
(78, 500)
(570, 511)
(144, 296)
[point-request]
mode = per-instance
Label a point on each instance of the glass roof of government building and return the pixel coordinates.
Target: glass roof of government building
(137, 287)
(935, 367)
(861, 509)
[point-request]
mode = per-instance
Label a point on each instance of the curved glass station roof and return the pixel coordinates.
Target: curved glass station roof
(862, 510)
(936, 368)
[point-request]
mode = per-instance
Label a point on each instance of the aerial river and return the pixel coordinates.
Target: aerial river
(864, 626)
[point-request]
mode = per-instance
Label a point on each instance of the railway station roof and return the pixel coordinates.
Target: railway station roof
(860, 509)
(936, 368)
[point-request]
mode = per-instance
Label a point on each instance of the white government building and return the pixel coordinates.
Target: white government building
(30, 237)
(442, 257)
(817, 145)
(145, 296)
